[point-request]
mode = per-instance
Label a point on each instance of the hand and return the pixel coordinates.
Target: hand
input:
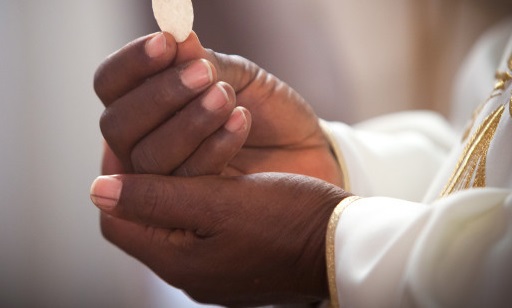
(235, 241)
(142, 93)
(165, 114)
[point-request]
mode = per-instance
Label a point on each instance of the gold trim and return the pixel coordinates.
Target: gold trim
(475, 115)
(330, 247)
(501, 79)
(471, 167)
(510, 106)
(337, 152)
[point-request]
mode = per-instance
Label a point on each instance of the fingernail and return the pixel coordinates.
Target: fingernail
(105, 192)
(237, 121)
(156, 46)
(216, 98)
(197, 75)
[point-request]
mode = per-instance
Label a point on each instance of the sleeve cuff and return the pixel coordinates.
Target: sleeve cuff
(330, 249)
(336, 151)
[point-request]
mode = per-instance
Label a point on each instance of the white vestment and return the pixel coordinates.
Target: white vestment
(433, 226)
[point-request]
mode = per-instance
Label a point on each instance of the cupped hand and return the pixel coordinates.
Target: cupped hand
(235, 241)
(157, 118)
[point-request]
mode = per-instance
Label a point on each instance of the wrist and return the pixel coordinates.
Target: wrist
(317, 244)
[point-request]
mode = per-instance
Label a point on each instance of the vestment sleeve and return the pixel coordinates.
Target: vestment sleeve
(387, 249)
(395, 155)
(452, 249)
(455, 252)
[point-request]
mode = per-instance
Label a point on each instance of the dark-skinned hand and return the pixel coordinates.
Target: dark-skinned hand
(238, 240)
(157, 118)
(235, 241)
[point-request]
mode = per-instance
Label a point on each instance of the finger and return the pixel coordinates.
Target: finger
(262, 93)
(165, 251)
(131, 65)
(282, 116)
(131, 237)
(110, 164)
(139, 240)
(190, 49)
(142, 110)
(217, 151)
(236, 71)
(167, 202)
(167, 147)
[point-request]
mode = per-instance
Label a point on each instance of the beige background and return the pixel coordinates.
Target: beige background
(354, 59)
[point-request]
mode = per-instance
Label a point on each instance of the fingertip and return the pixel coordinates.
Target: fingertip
(105, 192)
(198, 74)
(156, 46)
(193, 40)
(218, 97)
(239, 120)
(170, 38)
(228, 90)
(159, 45)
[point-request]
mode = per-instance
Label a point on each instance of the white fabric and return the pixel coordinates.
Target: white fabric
(396, 155)
(454, 251)
(475, 77)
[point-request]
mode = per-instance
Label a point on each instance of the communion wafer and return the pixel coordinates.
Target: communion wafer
(175, 17)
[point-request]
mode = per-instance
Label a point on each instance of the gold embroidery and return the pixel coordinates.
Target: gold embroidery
(501, 79)
(510, 105)
(475, 114)
(510, 63)
(330, 248)
(471, 168)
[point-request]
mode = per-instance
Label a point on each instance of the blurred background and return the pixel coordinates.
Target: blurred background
(351, 60)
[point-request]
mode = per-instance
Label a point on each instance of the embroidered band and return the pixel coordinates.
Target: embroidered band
(330, 247)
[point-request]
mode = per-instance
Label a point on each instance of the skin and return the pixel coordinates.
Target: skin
(235, 224)
(217, 239)
(140, 124)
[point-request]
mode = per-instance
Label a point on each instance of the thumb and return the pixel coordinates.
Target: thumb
(190, 49)
(168, 202)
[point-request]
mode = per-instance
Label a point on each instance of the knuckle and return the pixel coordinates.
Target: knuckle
(187, 171)
(101, 82)
(215, 58)
(242, 72)
(196, 126)
(155, 198)
(162, 91)
(144, 160)
(110, 125)
(160, 96)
